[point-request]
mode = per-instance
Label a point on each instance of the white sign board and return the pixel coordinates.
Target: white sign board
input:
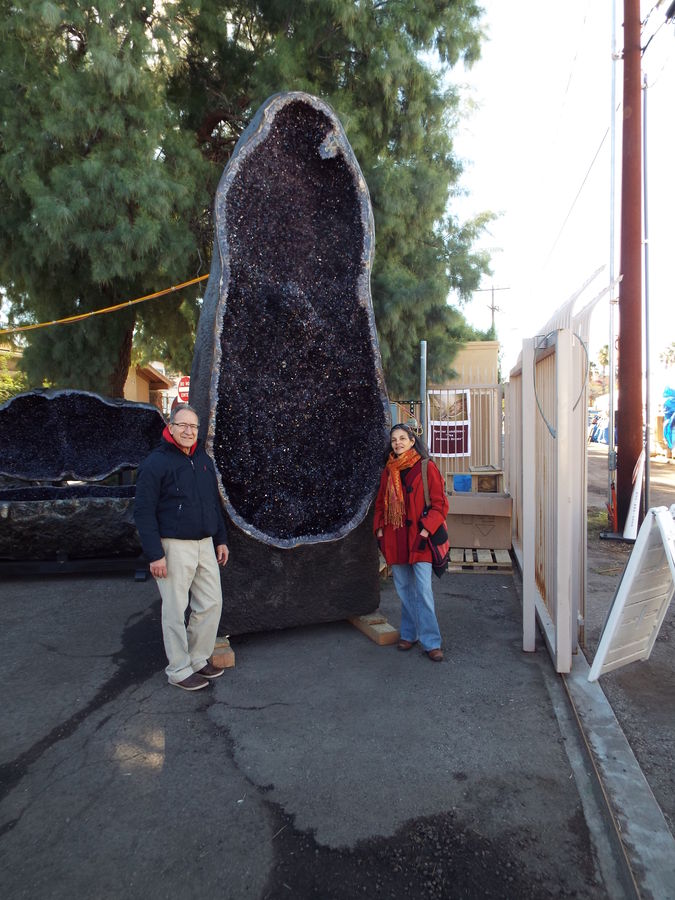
(642, 597)
(449, 418)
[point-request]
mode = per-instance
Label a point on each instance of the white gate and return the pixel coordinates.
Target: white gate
(546, 475)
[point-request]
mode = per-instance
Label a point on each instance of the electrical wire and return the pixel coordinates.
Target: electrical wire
(642, 52)
(578, 194)
(570, 76)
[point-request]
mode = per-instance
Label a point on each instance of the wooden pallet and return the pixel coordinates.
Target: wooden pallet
(468, 559)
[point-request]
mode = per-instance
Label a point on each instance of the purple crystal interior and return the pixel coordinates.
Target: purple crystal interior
(298, 405)
(74, 435)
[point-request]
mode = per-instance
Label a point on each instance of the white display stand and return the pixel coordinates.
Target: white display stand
(642, 597)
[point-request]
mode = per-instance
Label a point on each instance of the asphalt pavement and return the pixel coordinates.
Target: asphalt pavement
(321, 766)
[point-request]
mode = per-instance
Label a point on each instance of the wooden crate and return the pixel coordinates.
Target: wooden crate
(486, 480)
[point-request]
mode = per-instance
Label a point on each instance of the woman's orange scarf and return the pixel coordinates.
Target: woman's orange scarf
(394, 502)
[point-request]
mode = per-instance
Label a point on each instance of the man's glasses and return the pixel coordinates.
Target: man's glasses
(185, 427)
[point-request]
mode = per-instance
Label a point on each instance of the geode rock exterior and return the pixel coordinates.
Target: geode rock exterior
(287, 376)
(49, 439)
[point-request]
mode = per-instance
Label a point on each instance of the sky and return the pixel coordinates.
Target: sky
(536, 149)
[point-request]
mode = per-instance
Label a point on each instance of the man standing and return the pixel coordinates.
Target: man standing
(180, 521)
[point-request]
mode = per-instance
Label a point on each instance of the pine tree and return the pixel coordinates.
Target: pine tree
(97, 181)
(366, 60)
(119, 118)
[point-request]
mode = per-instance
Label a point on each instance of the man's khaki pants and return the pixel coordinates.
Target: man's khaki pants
(193, 577)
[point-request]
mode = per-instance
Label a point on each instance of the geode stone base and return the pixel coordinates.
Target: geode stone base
(56, 523)
(267, 588)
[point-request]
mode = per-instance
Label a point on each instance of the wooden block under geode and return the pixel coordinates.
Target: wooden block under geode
(381, 632)
(287, 376)
(223, 654)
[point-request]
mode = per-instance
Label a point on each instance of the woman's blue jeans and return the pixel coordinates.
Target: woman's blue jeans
(418, 616)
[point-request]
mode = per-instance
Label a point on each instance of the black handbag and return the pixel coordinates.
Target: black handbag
(439, 543)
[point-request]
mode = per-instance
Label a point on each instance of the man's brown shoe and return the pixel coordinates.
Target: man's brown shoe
(435, 655)
(210, 671)
(192, 683)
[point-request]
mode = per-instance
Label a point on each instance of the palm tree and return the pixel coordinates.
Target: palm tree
(667, 357)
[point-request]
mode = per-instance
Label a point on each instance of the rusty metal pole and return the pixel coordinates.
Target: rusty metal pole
(629, 423)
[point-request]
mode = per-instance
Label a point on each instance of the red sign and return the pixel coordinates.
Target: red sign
(449, 439)
(184, 388)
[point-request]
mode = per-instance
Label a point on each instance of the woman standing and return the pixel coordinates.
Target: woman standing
(402, 526)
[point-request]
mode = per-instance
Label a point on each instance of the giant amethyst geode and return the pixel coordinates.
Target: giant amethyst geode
(287, 376)
(64, 460)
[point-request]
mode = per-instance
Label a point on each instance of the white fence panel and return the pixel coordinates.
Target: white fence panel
(546, 475)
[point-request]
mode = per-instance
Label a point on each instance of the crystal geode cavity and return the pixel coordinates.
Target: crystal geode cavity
(53, 435)
(56, 449)
(287, 375)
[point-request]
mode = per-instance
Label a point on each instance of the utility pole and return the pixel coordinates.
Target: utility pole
(629, 424)
(648, 409)
(493, 309)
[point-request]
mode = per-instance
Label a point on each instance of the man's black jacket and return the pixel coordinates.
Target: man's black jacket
(177, 497)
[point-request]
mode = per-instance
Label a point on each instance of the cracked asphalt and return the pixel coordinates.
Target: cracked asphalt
(321, 766)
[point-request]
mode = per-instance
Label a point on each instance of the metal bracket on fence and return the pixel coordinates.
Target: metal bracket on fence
(588, 366)
(540, 346)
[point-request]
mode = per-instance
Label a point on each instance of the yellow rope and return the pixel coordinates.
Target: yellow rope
(100, 312)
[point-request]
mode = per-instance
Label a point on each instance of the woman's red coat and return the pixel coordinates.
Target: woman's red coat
(401, 545)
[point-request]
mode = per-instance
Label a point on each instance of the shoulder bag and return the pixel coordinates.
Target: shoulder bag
(439, 543)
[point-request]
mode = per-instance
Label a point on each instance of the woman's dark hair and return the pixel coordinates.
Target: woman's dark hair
(420, 446)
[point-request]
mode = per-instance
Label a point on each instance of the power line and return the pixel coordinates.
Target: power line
(604, 138)
(569, 212)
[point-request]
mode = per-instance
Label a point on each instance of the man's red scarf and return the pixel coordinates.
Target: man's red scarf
(394, 502)
(166, 434)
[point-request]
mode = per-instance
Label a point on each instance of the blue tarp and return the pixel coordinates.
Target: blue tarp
(598, 430)
(668, 415)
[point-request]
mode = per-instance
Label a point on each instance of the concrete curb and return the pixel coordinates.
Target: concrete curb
(640, 826)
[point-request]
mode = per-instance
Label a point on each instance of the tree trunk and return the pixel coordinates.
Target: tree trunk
(119, 374)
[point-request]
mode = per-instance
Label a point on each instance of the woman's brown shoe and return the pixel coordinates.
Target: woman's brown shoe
(435, 655)
(406, 645)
